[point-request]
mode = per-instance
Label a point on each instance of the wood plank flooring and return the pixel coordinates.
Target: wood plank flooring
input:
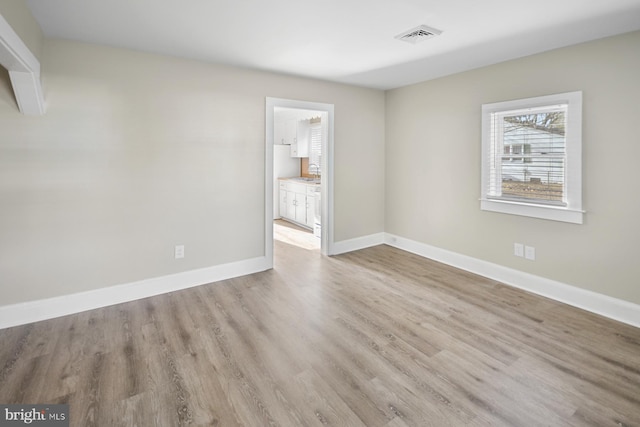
(377, 337)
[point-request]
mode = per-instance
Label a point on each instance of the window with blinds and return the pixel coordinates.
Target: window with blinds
(529, 155)
(532, 157)
(315, 147)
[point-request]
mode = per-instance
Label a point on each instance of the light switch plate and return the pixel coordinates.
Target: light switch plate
(518, 249)
(530, 253)
(179, 251)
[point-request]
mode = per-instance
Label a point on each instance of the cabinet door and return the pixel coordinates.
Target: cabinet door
(290, 131)
(300, 148)
(311, 204)
(278, 132)
(283, 201)
(291, 205)
(301, 208)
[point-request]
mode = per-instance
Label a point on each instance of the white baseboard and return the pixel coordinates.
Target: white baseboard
(33, 311)
(613, 308)
(357, 243)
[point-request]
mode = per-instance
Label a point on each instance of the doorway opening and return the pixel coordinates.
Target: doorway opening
(299, 174)
(295, 235)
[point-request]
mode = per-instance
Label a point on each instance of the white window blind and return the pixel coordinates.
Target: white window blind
(532, 153)
(529, 156)
(315, 153)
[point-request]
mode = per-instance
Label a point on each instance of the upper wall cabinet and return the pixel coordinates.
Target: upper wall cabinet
(284, 131)
(300, 148)
(295, 127)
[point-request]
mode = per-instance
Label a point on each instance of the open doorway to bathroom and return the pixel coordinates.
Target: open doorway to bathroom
(299, 169)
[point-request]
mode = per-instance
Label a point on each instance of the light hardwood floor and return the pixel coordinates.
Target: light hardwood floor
(294, 235)
(377, 337)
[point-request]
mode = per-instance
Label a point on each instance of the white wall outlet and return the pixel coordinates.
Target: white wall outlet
(518, 249)
(530, 253)
(179, 251)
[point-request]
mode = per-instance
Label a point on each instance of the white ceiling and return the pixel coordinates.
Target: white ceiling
(349, 41)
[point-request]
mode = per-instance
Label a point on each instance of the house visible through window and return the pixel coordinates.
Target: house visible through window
(532, 157)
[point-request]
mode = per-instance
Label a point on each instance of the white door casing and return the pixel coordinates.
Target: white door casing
(326, 171)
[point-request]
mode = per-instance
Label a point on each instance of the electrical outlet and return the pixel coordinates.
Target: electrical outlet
(518, 249)
(530, 253)
(179, 251)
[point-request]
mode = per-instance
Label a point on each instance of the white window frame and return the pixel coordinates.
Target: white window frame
(571, 210)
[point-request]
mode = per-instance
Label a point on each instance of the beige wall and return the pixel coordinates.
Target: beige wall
(138, 153)
(433, 166)
(18, 15)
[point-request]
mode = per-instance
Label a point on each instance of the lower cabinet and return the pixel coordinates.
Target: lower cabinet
(297, 203)
(283, 199)
(296, 207)
(311, 206)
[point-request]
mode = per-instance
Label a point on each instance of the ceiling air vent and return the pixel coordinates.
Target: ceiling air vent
(418, 34)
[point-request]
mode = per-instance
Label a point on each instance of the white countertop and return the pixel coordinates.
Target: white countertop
(302, 180)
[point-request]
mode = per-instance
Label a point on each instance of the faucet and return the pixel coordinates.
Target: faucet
(317, 174)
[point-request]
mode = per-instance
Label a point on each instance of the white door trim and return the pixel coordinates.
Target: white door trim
(24, 70)
(326, 173)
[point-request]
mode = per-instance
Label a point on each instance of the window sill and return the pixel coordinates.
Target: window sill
(553, 213)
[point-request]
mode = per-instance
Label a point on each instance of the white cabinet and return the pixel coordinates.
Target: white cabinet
(297, 207)
(278, 132)
(290, 131)
(283, 199)
(284, 131)
(297, 202)
(295, 133)
(311, 205)
(293, 201)
(300, 148)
